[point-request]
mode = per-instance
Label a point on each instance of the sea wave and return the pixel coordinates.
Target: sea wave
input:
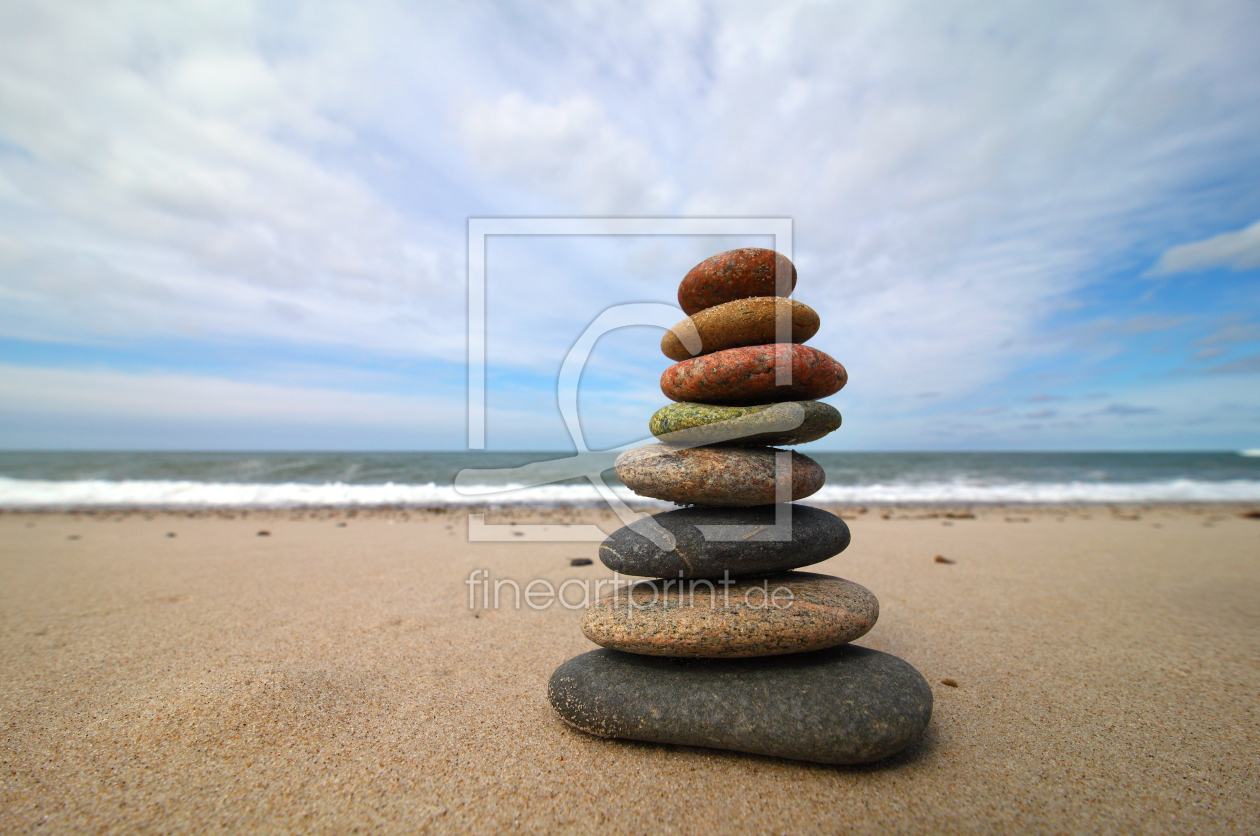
(1041, 493)
(140, 493)
(93, 493)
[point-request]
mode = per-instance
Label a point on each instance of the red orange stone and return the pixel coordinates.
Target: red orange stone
(745, 376)
(734, 274)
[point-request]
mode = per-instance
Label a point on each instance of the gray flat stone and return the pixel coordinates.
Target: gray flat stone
(816, 536)
(847, 704)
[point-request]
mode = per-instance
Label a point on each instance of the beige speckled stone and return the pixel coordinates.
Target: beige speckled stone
(743, 322)
(793, 612)
(715, 475)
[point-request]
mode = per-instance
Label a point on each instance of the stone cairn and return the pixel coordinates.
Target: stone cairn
(728, 647)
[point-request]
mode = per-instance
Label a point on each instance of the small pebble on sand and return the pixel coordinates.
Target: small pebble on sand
(950, 682)
(940, 558)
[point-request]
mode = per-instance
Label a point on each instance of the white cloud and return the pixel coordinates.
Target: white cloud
(957, 175)
(52, 407)
(171, 160)
(182, 397)
(1234, 250)
(1187, 412)
(571, 150)
(1232, 332)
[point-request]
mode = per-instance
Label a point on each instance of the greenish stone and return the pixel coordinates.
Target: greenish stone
(790, 422)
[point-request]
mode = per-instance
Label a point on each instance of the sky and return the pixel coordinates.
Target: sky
(227, 225)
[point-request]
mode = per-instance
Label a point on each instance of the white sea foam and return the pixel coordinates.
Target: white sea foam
(36, 494)
(94, 493)
(1041, 493)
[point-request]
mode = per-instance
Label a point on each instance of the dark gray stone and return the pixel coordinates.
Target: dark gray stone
(816, 536)
(843, 705)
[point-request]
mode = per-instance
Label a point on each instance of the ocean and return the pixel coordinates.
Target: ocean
(85, 480)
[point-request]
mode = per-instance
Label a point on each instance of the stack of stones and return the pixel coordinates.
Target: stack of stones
(728, 647)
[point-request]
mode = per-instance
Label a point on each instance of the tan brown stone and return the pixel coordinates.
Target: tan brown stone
(717, 475)
(793, 612)
(742, 322)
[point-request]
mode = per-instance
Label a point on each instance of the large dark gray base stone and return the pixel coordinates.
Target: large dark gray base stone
(816, 536)
(843, 705)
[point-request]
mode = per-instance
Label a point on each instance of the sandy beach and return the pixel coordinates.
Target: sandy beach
(330, 676)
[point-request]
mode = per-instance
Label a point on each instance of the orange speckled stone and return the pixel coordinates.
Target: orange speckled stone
(746, 376)
(734, 274)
